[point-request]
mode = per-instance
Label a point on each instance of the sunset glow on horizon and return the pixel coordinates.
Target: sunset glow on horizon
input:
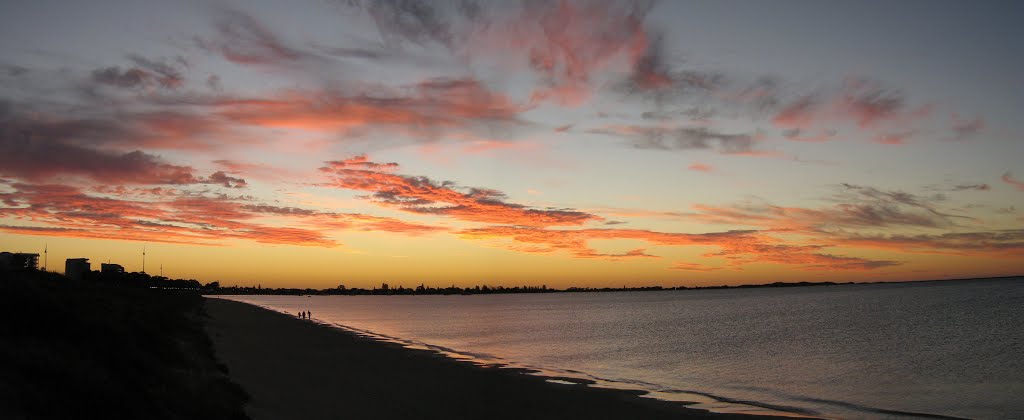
(594, 144)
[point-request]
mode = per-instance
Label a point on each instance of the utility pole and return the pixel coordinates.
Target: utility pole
(46, 257)
(143, 259)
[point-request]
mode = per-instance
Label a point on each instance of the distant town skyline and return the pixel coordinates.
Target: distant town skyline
(589, 144)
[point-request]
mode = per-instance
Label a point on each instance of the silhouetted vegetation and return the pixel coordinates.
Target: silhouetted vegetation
(97, 348)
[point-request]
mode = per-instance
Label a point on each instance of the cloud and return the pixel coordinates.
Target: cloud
(685, 266)
(114, 76)
(865, 103)
(1009, 179)
(738, 247)
(800, 114)
(894, 139)
(700, 167)
(101, 126)
(680, 138)
(386, 224)
(244, 40)
(964, 129)
(656, 214)
(277, 210)
(975, 187)
(363, 162)
(254, 170)
(424, 196)
(797, 134)
(855, 207)
(861, 218)
(412, 21)
(36, 160)
(345, 221)
(423, 110)
(146, 74)
(221, 178)
(568, 47)
(653, 75)
(39, 148)
(214, 83)
(998, 243)
(873, 206)
(60, 210)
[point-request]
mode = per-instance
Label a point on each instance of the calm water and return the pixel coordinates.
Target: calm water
(952, 348)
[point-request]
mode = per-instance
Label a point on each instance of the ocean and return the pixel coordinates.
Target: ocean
(894, 350)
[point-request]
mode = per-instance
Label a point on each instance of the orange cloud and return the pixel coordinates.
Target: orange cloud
(57, 210)
(701, 167)
(685, 266)
(424, 196)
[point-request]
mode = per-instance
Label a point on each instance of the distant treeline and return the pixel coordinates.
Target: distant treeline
(385, 289)
(144, 280)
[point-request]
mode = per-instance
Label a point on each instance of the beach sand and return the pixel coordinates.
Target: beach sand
(297, 369)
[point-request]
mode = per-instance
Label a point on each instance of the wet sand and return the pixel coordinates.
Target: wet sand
(294, 368)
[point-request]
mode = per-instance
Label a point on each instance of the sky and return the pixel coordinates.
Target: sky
(312, 143)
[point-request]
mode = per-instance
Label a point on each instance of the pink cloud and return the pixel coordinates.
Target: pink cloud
(701, 167)
(1008, 178)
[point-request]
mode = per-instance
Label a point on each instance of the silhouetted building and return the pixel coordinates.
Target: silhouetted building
(18, 261)
(111, 268)
(77, 268)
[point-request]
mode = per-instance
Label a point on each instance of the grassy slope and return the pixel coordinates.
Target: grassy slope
(85, 351)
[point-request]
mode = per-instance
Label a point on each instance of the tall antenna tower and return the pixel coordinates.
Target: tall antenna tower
(46, 257)
(161, 270)
(143, 259)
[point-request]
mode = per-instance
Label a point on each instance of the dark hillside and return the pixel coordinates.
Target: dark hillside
(85, 350)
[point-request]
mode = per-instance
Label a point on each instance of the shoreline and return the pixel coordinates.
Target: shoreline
(696, 400)
(293, 368)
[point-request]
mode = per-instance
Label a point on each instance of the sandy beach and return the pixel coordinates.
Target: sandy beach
(294, 368)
